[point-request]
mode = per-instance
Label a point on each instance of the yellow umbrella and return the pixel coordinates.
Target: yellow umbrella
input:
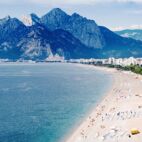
(135, 131)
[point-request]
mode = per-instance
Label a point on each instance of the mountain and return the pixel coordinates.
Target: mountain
(11, 27)
(11, 31)
(39, 43)
(117, 46)
(62, 35)
(85, 30)
(36, 42)
(135, 34)
(31, 19)
(104, 42)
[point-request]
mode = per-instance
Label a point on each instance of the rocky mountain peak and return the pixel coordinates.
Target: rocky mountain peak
(31, 19)
(75, 15)
(4, 20)
(55, 19)
(35, 18)
(83, 29)
(59, 33)
(57, 11)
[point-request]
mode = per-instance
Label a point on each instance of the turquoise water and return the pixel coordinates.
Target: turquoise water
(41, 103)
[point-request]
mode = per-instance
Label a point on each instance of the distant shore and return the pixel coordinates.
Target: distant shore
(117, 114)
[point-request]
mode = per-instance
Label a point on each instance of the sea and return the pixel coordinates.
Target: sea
(44, 102)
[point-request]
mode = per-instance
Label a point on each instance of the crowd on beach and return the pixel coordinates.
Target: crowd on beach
(109, 121)
(122, 115)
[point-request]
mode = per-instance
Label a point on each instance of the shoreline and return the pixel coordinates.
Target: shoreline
(79, 124)
(97, 126)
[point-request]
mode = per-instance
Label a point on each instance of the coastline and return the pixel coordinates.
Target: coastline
(108, 120)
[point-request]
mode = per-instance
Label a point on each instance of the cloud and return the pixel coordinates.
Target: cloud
(67, 2)
(139, 11)
(63, 2)
(8, 1)
(133, 27)
(84, 1)
(135, 1)
(14, 2)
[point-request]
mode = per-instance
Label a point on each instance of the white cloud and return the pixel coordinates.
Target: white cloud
(82, 1)
(14, 2)
(135, 1)
(57, 2)
(139, 11)
(132, 27)
(68, 2)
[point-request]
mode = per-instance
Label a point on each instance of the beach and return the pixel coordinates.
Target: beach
(117, 115)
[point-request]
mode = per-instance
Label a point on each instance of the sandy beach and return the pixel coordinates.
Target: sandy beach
(119, 112)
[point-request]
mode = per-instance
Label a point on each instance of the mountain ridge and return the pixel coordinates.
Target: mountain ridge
(82, 28)
(69, 36)
(131, 33)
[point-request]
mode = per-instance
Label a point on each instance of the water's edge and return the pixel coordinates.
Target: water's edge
(47, 102)
(79, 122)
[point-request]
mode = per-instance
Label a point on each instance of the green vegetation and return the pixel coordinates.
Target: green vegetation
(134, 68)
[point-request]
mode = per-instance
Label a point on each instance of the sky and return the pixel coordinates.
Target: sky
(114, 14)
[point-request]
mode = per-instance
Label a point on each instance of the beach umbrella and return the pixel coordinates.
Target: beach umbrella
(135, 131)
